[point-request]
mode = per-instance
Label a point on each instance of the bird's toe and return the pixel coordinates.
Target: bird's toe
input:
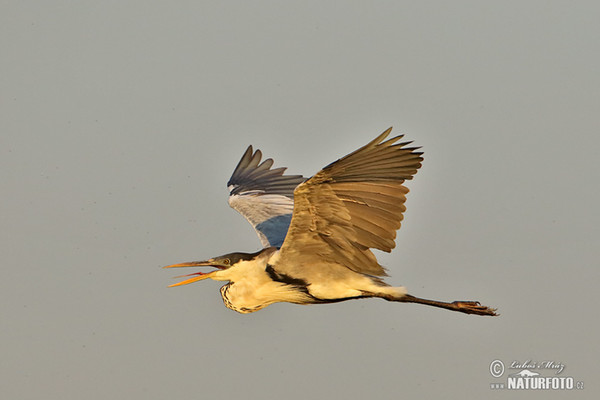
(474, 307)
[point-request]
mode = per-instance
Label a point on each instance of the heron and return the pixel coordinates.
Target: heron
(317, 233)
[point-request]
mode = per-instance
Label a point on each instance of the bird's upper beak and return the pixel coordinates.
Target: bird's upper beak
(198, 275)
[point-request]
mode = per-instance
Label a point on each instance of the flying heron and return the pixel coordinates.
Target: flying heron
(317, 233)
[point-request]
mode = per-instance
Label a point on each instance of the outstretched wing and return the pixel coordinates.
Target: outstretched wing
(351, 205)
(264, 196)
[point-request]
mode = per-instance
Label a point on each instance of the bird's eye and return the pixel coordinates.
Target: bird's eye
(226, 261)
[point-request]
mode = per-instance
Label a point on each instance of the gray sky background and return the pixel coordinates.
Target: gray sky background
(122, 121)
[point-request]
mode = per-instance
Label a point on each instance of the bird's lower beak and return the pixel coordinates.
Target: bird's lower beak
(197, 276)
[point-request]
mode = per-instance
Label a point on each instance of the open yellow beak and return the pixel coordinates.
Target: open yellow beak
(198, 276)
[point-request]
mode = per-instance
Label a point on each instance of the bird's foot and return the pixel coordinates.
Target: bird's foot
(473, 307)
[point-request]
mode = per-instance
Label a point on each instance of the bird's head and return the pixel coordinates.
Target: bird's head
(226, 262)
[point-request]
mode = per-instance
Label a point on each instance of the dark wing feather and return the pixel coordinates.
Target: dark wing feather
(264, 196)
(350, 206)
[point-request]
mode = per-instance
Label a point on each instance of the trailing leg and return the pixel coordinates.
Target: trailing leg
(467, 307)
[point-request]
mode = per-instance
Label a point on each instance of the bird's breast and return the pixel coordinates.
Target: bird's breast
(249, 296)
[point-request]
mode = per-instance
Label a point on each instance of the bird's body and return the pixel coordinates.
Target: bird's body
(317, 232)
(256, 283)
